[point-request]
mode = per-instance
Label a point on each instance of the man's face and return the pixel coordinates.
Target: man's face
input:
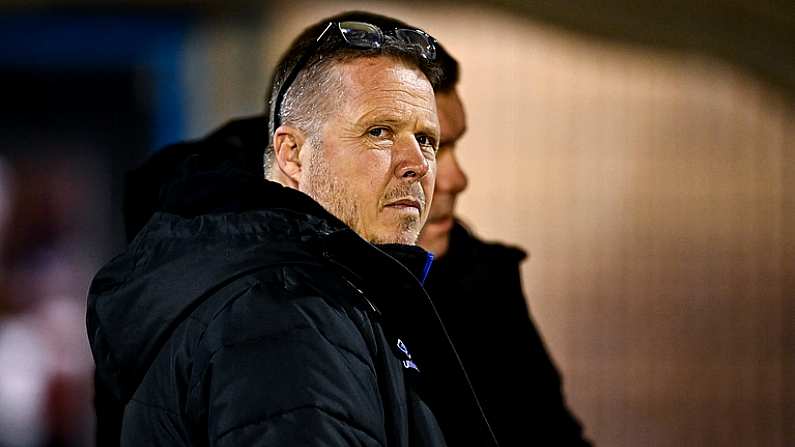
(450, 179)
(375, 164)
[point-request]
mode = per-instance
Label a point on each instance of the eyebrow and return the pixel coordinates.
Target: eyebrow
(379, 116)
(388, 116)
(382, 113)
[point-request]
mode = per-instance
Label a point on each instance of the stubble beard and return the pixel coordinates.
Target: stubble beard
(328, 190)
(409, 226)
(335, 196)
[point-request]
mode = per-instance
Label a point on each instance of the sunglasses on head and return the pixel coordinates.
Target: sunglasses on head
(357, 35)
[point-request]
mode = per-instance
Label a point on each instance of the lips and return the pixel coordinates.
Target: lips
(405, 203)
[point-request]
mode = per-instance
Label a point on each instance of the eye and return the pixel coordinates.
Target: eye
(377, 132)
(426, 142)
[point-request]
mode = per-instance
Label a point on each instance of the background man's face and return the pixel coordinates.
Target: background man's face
(450, 178)
(375, 165)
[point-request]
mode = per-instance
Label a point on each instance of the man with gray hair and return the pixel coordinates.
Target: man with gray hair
(275, 313)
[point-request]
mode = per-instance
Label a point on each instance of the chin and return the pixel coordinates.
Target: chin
(404, 239)
(402, 236)
(407, 239)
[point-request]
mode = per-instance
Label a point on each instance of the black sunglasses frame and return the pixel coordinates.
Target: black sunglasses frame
(428, 52)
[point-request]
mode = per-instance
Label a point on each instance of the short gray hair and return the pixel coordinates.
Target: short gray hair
(308, 103)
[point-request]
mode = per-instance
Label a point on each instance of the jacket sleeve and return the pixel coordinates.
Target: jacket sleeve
(306, 382)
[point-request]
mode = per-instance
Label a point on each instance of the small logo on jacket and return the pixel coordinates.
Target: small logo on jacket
(407, 363)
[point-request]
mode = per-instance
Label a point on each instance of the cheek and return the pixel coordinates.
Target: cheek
(363, 172)
(433, 173)
(373, 171)
(355, 165)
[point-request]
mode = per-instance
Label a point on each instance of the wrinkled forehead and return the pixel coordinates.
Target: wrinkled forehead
(385, 81)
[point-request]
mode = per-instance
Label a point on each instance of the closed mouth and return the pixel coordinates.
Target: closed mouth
(406, 203)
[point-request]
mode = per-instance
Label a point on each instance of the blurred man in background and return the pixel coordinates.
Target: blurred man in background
(477, 290)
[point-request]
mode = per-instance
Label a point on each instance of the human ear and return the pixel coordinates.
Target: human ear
(287, 144)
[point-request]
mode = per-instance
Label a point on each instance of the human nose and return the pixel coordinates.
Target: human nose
(449, 176)
(411, 161)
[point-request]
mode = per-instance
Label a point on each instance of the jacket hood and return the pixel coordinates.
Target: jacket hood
(138, 299)
(213, 174)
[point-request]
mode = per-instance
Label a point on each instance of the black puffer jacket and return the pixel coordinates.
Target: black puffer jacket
(271, 325)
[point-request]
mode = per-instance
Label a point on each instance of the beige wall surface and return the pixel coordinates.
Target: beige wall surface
(653, 191)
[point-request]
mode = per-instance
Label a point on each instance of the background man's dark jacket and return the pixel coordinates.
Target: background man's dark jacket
(477, 290)
(245, 315)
